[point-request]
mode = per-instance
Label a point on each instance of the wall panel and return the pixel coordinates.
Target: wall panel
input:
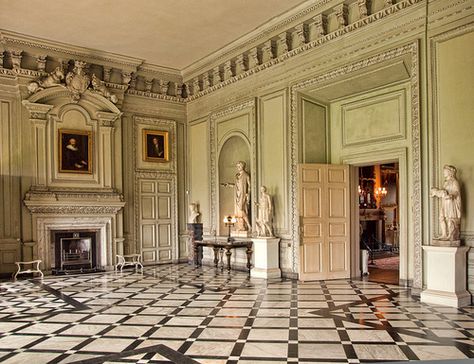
(198, 160)
(273, 153)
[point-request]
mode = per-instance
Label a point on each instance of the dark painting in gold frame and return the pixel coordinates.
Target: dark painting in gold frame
(155, 146)
(75, 151)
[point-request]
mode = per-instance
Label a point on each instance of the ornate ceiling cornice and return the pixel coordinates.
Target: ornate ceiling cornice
(266, 30)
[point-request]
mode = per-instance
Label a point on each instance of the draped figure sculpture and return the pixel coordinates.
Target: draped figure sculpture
(450, 205)
(265, 214)
(241, 196)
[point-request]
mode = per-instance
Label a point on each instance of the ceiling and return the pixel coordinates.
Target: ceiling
(170, 33)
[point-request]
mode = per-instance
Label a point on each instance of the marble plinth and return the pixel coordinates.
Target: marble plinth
(446, 276)
(266, 252)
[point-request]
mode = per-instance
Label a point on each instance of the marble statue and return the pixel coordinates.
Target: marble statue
(450, 206)
(193, 213)
(265, 214)
(51, 79)
(241, 196)
(99, 87)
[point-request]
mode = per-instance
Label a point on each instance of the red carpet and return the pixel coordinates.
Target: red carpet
(387, 263)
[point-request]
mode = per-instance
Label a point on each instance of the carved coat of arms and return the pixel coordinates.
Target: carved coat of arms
(77, 81)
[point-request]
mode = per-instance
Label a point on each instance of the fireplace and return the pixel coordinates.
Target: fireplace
(75, 251)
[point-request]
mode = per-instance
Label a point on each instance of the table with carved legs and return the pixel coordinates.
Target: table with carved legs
(219, 247)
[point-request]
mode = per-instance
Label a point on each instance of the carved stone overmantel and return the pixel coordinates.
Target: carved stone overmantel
(72, 202)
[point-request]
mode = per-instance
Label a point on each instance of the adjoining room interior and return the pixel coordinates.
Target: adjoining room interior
(378, 217)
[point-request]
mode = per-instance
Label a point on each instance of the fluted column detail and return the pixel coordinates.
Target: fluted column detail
(16, 56)
(362, 8)
(227, 71)
(339, 11)
(163, 87)
(215, 76)
(281, 44)
(107, 71)
(239, 65)
(265, 52)
(41, 63)
(195, 84)
(316, 28)
(126, 77)
(148, 85)
(252, 58)
(185, 90)
(296, 37)
(133, 81)
(205, 81)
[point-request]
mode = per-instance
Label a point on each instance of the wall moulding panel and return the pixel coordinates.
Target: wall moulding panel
(199, 189)
(377, 119)
(273, 155)
(451, 116)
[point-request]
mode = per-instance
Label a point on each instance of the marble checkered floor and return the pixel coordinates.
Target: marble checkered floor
(182, 314)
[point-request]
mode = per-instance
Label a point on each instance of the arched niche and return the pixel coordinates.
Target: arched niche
(233, 149)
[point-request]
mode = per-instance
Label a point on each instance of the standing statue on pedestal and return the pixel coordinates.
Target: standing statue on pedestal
(193, 213)
(450, 207)
(241, 196)
(265, 214)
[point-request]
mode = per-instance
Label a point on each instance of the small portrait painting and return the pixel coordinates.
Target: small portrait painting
(75, 151)
(155, 146)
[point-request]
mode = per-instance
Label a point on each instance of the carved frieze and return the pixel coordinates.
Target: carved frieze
(54, 78)
(69, 202)
(76, 81)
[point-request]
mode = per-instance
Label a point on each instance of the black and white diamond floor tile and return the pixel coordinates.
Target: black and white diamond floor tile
(179, 313)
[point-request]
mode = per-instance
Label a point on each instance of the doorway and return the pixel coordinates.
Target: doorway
(379, 238)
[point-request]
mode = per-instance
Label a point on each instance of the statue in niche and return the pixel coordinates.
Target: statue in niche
(265, 214)
(77, 81)
(99, 87)
(51, 79)
(450, 207)
(241, 196)
(193, 213)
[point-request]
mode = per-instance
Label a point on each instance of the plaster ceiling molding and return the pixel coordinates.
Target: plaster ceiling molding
(170, 33)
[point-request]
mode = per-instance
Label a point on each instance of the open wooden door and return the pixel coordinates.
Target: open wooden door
(323, 199)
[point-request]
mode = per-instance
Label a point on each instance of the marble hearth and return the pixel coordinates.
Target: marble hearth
(69, 211)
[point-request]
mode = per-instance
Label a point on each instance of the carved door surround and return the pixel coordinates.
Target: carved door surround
(410, 53)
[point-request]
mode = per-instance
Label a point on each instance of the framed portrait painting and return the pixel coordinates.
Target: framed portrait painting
(155, 146)
(75, 151)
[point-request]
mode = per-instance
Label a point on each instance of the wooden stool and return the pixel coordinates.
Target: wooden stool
(134, 260)
(31, 270)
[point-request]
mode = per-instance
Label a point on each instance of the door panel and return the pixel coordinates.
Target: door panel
(155, 221)
(313, 258)
(323, 201)
(312, 202)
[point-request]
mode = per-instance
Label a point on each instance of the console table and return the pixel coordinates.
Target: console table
(219, 247)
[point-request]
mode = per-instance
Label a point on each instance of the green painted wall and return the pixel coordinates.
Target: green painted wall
(456, 116)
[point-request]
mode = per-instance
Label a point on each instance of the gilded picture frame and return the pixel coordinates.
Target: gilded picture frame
(155, 146)
(75, 151)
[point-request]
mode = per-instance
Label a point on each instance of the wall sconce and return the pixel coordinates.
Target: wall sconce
(230, 221)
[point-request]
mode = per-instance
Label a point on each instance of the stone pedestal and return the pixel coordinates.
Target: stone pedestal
(446, 276)
(194, 233)
(266, 253)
